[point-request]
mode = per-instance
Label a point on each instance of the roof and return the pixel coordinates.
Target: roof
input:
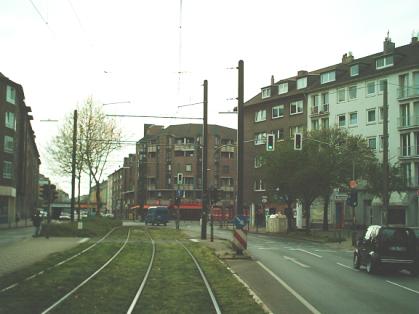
(406, 57)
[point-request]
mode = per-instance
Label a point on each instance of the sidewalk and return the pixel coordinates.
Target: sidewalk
(19, 249)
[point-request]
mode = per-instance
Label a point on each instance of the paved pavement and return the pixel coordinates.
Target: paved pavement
(19, 249)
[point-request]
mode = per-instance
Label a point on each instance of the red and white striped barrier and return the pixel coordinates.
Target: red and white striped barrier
(240, 239)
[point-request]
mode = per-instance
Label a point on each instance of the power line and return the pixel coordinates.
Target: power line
(160, 117)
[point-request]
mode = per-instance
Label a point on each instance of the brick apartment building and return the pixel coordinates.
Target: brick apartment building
(164, 155)
(19, 157)
(345, 95)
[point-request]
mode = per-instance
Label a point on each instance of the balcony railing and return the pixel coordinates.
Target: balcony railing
(407, 92)
(184, 147)
(227, 188)
(320, 110)
(152, 148)
(227, 149)
(408, 122)
(409, 151)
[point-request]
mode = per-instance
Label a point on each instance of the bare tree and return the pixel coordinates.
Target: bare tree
(99, 137)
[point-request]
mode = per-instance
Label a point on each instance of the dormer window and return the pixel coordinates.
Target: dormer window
(327, 77)
(354, 70)
(302, 83)
(282, 88)
(266, 92)
(384, 62)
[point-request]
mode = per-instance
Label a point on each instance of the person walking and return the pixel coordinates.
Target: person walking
(37, 220)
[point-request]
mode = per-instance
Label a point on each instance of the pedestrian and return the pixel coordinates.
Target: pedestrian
(37, 220)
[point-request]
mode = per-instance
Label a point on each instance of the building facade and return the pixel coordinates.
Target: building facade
(19, 157)
(348, 95)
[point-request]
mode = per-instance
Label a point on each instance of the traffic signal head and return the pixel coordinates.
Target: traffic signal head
(298, 141)
(352, 198)
(180, 178)
(270, 142)
(46, 192)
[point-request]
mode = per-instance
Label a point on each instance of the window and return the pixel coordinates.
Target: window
(259, 185)
(7, 170)
(325, 98)
(341, 120)
(354, 70)
(227, 155)
(353, 118)
(352, 92)
(282, 88)
(384, 62)
(266, 92)
(370, 88)
(296, 129)
(315, 124)
(325, 123)
(296, 107)
(405, 144)
(9, 144)
(381, 143)
(315, 100)
(11, 94)
(372, 143)
(277, 111)
(226, 169)
(188, 168)
(279, 134)
(260, 138)
(258, 161)
(381, 84)
(371, 116)
(10, 120)
(260, 115)
(380, 114)
(341, 95)
(188, 180)
(302, 83)
(327, 77)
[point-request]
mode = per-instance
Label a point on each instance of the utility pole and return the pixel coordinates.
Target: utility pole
(73, 166)
(205, 165)
(385, 152)
(240, 140)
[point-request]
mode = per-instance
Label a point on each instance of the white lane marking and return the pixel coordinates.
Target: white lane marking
(325, 251)
(310, 307)
(346, 266)
(194, 240)
(9, 287)
(302, 250)
(403, 287)
(267, 248)
(296, 262)
(84, 240)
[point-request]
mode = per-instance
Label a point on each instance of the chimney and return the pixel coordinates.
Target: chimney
(388, 44)
(302, 73)
(272, 80)
(347, 58)
(414, 37)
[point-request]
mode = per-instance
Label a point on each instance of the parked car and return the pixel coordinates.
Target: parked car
(157, 215)
(65, 216)
(386, 247)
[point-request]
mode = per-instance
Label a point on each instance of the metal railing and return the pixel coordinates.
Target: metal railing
(407, 91)
(408, 122)
(409, 151)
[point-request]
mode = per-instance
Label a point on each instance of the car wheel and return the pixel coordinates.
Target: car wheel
(371, 266)
(356, 261)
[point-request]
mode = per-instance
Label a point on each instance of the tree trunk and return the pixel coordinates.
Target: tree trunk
(97, 199)
(326, 212)
(289, 213)
(78, 197)
(306, 209)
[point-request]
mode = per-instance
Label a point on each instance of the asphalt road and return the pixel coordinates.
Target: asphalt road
(323, 279)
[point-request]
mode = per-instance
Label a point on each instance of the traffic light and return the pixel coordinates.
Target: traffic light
(46, 192)
(177, 201)
(180, 178)
(53, 192)
(270, 143)
(214, 195)
(298, 141)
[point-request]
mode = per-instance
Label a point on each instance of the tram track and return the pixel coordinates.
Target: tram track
(41, 272)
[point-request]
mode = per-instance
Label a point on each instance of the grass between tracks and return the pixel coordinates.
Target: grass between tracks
(174, 285)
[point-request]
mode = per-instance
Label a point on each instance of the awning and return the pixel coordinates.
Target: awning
(396, 199)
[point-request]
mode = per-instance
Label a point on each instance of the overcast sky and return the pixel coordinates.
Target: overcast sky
(62, 51)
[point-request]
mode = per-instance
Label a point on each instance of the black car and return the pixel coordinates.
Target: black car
(387, 247)
(157, 215)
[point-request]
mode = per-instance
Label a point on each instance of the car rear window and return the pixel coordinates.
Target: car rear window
(396, 239)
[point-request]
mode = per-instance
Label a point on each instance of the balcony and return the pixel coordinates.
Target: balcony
(406, 92)
(409, 152)
(227, 149)
(320, 110)
(152, 149)
(408, 122)
(184, 147)
(227, 188)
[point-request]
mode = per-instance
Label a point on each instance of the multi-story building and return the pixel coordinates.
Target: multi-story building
(117, 188)
(168, 162)
(19, 157)
(349, 95)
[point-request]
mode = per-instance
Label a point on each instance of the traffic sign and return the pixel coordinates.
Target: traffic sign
(240, 221)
